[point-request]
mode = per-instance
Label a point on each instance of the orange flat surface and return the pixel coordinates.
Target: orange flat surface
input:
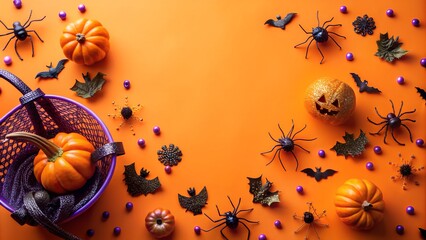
(217, 80)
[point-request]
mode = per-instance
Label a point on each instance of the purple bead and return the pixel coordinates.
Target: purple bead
(141, 142)
(321, 153)
(389, 13)
(117, 231)
(299, 189)
(17, 3)
(90, 232)
(343, 9)
(369, 165)
(378, 150)
(420, 142)
(349, 56)
(262, 237)
(197, 230)
(400, 80)
(399, 229)
(168, 169)
(423, 62)
(278, 224)
(62, 15)
(156, 130)
(415, 22)
(82, 8)
(7, 60)
(129, 206)
(105, 215)
(410, 210)
(126, 84)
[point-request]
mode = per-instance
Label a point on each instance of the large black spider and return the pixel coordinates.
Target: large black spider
(20, 32)
(286, 143)
(230, 219)
(320, 34)
(310, 218)
(393, 121)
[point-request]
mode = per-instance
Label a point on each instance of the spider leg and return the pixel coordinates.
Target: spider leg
(294, 155)
(304, 139)
(379, 123)
(322, 55)
(335, 42)
(208, 230)
(380, 130)
(291, 129)
(301, 227)
(29, 17)
(282, 132)
(275, 140)
(297, 131)
(244, 210)
(245, 219)
(407, 113)
(393, 136)
(238, 205)
(215, 221)
(377, 112)
(393, 107)
(332, 25)
(221, 232)
(36, 34)
(302, 148)
(315, 230)
(304, 30)
(278, 145)
(1, 35)
(304, 41)
(409, 132)
(248, 229)
(281, 162)
(6, 26)
(318, 21)
(10, 39)
(218, 211)
(275, 154)
(386, 134)
(337, 34)
(32, 45)
(327, 22)
(16, 50)
(35, 20)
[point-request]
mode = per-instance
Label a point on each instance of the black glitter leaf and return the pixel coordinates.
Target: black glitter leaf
(352, 146)
(195, 202)
(169, 156)
(138, 184)
(261, 193)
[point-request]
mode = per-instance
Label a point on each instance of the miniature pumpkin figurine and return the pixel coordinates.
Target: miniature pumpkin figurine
(85, 41)
(359, 204)
(160, 222)
(330, 100)
(63, 164)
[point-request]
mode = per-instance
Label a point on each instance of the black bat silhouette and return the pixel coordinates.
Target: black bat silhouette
(138, 184)
(317, 174)
(280, 22)
(53, 71)
(363, 85)
(422, 93)
(195, 202)
(261, 193)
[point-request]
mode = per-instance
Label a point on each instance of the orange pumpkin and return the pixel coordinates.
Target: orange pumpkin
(359, 204)
(64, 163)
(85, 41)
(160, 222)
(330, 100)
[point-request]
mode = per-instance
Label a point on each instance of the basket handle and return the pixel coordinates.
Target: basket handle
(115, 148)
(27, 100)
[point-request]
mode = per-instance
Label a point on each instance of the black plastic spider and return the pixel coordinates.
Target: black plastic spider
(393, 121)
(310, 218)
(320, 34)
(406, 171)
(126, 113)
(21, 33)
(364, 25)
(169, 156)
(286, 143)
(230, 219)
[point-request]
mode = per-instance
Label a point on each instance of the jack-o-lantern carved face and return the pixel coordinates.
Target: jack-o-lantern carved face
(330, 100)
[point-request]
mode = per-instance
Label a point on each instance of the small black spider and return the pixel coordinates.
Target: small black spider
(364, 25)
(169, 156)
(320, 34)
(230, 219)
(393, 121)
(405, 171)
(126, 113)
(287, 143)
(310, 218)
(20, 32)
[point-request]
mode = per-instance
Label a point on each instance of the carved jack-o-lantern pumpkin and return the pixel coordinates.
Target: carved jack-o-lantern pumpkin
(330, 100)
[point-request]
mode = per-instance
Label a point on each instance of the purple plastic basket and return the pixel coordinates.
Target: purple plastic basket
(47, 115)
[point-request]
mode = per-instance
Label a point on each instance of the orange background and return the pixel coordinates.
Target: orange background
(216, 80)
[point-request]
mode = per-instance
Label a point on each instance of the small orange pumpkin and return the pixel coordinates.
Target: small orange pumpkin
(85, 41)
(359, 204)
(160, 222)
(64, 163)
(330, 100)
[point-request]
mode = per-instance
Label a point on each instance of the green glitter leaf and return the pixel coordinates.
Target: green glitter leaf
(389, 49)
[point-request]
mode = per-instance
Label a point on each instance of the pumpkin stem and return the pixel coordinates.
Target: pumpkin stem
(366, 205)
(51, 150)
(80, 37)
(159, 221)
